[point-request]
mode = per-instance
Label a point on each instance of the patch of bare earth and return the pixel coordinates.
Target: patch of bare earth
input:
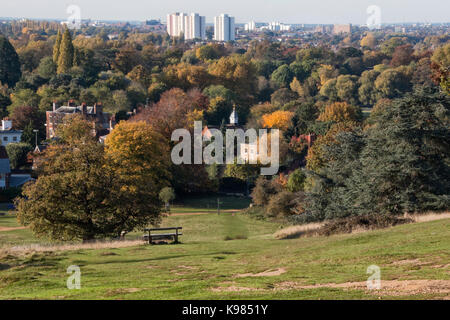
(405, 262)
(122, 291)
(267, 273)
(388, 287)
(234, 289)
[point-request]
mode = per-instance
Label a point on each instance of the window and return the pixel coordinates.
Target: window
(5, 138)
(14, 138)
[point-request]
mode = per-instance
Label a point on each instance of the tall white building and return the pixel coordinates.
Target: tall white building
(195, 26)
(251, 26)
(191, 26)
(277, 26)
(224, 29)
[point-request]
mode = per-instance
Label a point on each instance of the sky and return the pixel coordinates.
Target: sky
(287, 11)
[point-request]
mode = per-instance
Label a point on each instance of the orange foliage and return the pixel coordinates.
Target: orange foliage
(278, 119)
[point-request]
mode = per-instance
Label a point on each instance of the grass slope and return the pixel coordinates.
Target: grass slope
(205, 266)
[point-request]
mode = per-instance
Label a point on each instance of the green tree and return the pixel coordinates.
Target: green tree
(9, 63)
(167, 194)
(47, 68)
(17, 153)
(56, 47)
(296, 181)
(282, 76)
(28, 136)
(66, 53)
(405, 165)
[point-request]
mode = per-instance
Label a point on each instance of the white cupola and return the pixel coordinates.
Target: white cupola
(234, 117)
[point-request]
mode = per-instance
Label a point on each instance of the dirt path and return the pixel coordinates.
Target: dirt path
(201, 213)
(2, 229)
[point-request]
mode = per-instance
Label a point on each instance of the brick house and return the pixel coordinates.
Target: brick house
(102, 122)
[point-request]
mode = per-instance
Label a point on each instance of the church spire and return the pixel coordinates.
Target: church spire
(234, 116)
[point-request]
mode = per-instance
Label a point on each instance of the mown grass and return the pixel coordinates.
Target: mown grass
(205, 261)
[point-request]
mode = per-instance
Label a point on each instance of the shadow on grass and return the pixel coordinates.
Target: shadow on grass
(168, 257)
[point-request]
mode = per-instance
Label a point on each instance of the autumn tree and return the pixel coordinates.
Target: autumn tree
(317, 156)
(235, 72)
(84, 192)
(278, 120)
(340, 112)
(441, 67)
(172, 110)
(186, 76)
(403, 55)
(392, 83)
(369, 41)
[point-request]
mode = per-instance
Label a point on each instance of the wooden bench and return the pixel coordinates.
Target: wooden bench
(163, 236)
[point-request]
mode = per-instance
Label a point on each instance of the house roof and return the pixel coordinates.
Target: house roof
(4, 166)
(16, 180)
(78, 109)
(10, 131)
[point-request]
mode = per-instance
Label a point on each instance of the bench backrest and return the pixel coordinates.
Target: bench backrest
(163, 229)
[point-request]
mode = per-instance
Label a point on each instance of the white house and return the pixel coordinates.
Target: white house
(7, 134)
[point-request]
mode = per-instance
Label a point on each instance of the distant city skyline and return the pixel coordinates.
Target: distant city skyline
(287, 11)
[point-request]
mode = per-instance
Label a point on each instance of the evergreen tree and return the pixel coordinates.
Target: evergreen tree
(9, 63)
(406, 162)
(66, 53)
(400, 164)
(56, 47)
(28, 134)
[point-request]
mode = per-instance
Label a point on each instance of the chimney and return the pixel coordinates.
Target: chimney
(84, 108)
(98, 108)
(71, 103)
(6, 124)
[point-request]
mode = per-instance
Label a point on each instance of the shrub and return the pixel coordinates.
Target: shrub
(366, 222)
(281, 204)
(263, 190)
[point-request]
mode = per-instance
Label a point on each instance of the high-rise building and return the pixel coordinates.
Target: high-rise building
(192, 26)
(277, 26)
(251, 26)
(224, 29)
(195, 27)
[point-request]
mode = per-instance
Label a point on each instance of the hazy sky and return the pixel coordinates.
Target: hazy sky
(288, 11)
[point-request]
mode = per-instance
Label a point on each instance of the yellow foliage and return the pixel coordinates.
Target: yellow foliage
(339, 112)
(278, 119)
(137, 150)
(296, 86)
(326, 72)
(369, 41)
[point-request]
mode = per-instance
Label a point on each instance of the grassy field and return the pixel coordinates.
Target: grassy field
(414, 261)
